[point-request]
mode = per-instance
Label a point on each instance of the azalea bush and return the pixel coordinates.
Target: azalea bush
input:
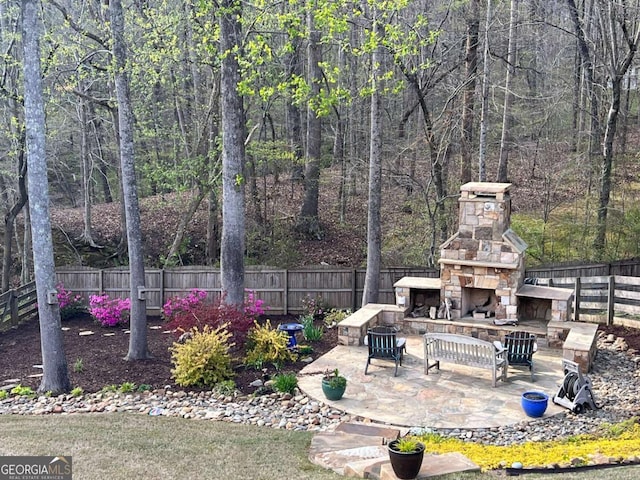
(253, 306)
(176, 305)
(238, 320)
(109, 311)
(70, 304)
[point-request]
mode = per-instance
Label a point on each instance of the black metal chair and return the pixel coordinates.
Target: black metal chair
(520, 348)
(384, 344)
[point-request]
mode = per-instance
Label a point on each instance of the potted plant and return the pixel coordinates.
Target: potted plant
(406, 456)
(333, 384)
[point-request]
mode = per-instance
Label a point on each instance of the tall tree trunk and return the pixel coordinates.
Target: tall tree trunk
(374, 230)
(55, 377)
(309, 221)
(468, 99)
(213, 228)
(233, 156)
(506, 143)
(484, 113)
(86, 236)
(138, 345)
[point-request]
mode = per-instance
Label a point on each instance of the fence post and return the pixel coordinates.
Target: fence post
(285, 299)
(354, 289)
(13, 308)
(611, 298)
(576, 301)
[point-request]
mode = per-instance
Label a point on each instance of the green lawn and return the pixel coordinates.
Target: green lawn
(128, 446)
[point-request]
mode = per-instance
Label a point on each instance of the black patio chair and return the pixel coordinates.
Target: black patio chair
(520, 348)
(384, 344)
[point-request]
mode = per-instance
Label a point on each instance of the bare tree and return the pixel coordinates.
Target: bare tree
(54, 364)
(138, 346)
(469, 90)
(233, 156)
(374, 229)
(506, 142)
(308, 220)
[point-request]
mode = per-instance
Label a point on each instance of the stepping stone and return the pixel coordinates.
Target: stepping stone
(369, 429)
(85, 333)
(368, 468)
(337, 459)
(11, 380)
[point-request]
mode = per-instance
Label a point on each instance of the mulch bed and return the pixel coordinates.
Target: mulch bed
(95, 361)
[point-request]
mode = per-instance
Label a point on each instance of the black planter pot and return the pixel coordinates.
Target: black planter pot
(406, 465)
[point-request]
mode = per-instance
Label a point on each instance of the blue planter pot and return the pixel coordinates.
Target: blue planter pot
(534, 403)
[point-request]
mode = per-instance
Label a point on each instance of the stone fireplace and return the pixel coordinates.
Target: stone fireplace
(482, 265)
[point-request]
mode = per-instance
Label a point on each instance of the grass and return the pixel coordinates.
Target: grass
(124, 446)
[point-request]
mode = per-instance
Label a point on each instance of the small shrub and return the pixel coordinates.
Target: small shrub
(310, 332)
(109, 389)
(226, 387)
(78, 365)
(176, 305)
(143, 387)
(77, 392)
(213, 315)
(267, 345)
(109, 311)
(127, 387)
(204, 359)
(21, 390)
(3, 395)
(305, 349)
(314, 306)
(335, 316)
(70, 304)
(285, 382)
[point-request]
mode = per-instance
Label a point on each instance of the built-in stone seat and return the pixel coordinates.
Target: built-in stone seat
(578, 340)
(353, 329)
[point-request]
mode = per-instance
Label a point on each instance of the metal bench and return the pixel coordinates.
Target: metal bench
(463, 350)
(384, 344)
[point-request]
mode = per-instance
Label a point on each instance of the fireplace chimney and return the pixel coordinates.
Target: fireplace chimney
(482, 265)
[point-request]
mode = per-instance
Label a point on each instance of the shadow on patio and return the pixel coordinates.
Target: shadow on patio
(454, 397)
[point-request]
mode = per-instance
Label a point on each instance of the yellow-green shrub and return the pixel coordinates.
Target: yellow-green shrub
(267, 345)
(204, 359)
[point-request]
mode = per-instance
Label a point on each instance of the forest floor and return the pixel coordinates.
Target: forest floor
(97, 360)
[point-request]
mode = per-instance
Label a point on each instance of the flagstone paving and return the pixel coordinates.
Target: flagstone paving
(454, 397)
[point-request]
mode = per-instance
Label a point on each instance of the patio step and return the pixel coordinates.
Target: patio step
(359, 450)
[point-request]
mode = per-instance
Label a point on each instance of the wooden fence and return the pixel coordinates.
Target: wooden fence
(18, 305)
(282, 290)
(612, 299)
(628, 268)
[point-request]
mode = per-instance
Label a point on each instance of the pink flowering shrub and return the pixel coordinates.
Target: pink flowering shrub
(176, 305)
(109, 311)
(313, 306)
(70, 304)
(253, 307)
(238, 321)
